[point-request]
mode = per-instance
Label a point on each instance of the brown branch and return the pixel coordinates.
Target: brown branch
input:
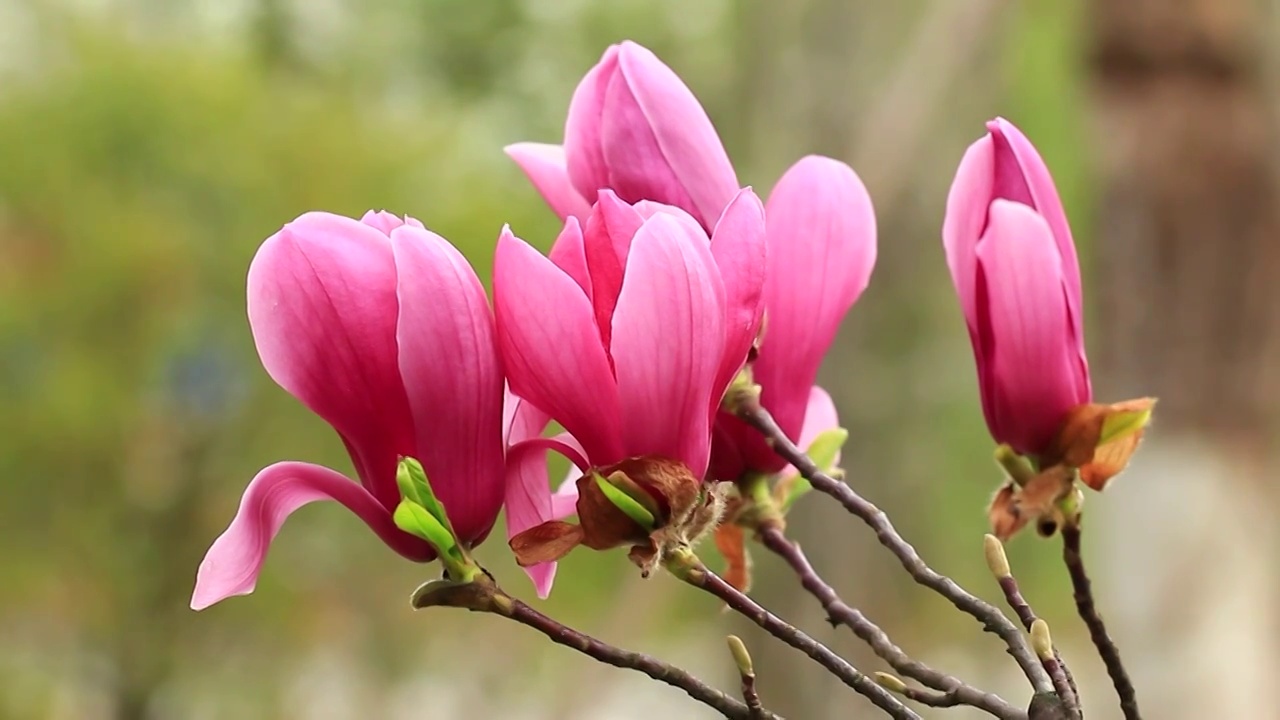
(952, 690)
(690, 569)
(1063, 681)
(483, 595)
(1085, 606)
(989, 615)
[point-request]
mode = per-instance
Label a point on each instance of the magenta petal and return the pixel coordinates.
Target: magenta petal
(822, 248)
(551, 347)
(521, 420)
(668, 341)
(323, 309)
(965, 220)
(739, 247)
(529, 500)
(570, 255)
(385, 222)
(584, 157)
(545, 167)
(1031, 376)
(231, 565)
(453, 378)
(659, 143)
(606, 239)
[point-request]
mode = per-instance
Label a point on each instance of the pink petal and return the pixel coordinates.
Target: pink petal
(822, 248)
(545, 167)
(453, 378)
(521, 420)
(966, 218)
(659, 143)
(569, 254)
(385, 222)
(739, 248)
(584, 156)
(819, 416)
(551, 347)
(668, 341)
(232, 564)
(606, 239)
(1024, 325)
(323, 309)
(529, 500)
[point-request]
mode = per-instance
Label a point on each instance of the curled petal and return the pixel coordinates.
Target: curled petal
(1030, 376)
(323, 309)
(822, 248)
(231, 565)
(521, 420)
(551, 347)
(545, 167)
(452, 376)
(668, 341)
(529, 500)
(569, 254)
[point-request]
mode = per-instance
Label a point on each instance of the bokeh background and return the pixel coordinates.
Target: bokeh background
(148, 146)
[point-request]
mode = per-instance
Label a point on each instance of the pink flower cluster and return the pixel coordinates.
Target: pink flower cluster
(668, 279)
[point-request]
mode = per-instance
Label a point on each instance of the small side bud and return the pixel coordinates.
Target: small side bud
(997, 561)
(1017, 467)
(741, 657)
(892, 683)
(1041, 641)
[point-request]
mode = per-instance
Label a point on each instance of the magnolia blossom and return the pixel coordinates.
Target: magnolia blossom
(1014, 266)
(627, 336)
(636, 129)
(821, 234)
(382, 329)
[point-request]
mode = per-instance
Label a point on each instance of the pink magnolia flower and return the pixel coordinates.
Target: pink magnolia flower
(627, 336)
(821, 234)
(636, 129)
(1014, 266)
(381, 328)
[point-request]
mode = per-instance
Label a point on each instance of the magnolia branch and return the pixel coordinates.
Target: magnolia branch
(951, 690)
(692, 571)
(483, 595)
(1085, 606)
(1063, 682)
(992, 619)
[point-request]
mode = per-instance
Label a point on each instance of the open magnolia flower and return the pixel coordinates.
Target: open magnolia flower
(636, 129)
(1014, 266)
(627, 336)
(382, 329)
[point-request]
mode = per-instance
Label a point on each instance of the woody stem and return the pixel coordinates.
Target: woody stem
(954, 691)
(989, 615)
(1088, 611)
(690, 569)
(655, 668)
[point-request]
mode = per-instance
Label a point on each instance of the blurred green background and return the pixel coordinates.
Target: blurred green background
(148, 146)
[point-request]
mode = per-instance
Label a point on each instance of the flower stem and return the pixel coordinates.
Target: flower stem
(690, 569)
(953, 690)
(1085, 606)
(989, 615)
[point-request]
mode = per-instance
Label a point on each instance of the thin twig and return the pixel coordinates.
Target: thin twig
(1063, 681)
(692, 571)
(989, 615)
(1085, 606)
(747, 672)
(952, 690)
(655, 668)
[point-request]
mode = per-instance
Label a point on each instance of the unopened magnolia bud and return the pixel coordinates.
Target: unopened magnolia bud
(1041, 641)
(741, 657)
(892, 683)
(997, 561)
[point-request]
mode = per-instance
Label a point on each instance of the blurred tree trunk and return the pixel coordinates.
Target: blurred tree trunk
(1187, 251)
